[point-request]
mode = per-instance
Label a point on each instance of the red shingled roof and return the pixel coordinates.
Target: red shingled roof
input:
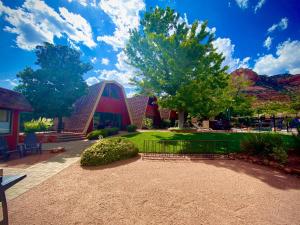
(83, 109)
(13, 100)
(137, 107)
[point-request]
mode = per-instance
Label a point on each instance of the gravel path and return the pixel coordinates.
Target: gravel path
(157, 192)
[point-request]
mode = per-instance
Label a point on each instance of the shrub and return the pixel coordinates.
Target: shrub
(108, 150)
(131, 128)
(147, 123)
(41, 124)
(94, 135)
(112, 131)
(265, 145)
(165, 123)
(279, 154)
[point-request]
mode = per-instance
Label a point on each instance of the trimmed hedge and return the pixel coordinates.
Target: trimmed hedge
(94, 135)
(131, 128)
(108, 150)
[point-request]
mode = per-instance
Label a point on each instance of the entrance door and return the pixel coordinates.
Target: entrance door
(104, 119)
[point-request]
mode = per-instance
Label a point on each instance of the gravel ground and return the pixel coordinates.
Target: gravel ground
(157, 192)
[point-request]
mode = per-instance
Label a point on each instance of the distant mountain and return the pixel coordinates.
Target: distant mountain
(270, 88)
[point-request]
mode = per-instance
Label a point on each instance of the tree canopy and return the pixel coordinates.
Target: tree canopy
(57, 83)
(178, 63)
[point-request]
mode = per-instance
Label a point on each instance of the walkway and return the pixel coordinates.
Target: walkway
(40, 172)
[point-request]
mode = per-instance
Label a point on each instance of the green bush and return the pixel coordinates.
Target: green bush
(94, 135)
(147, 123)
(279, 154)
(165, 123)
(265, 145)
(41, 124)
(131, 128)
(112, 131)
(108, 150)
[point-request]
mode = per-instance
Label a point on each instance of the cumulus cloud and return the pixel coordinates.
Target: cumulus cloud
(243, 4)
(287, 59)
(268, 42)
(224, 46)
(123, 73)
(259, 5)
(85, 2)
(92, 80)
(282, 25)
(35, 22)
(105, 61)
(12, 82)
(93, 60)
(125, 15)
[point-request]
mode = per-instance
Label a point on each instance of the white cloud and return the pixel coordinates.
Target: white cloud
(105, 61)
(125, 15)
(287, 59)
(35, 22)
(12, 82)
(85, 2)
(282, 25)
(92, 80)
(93, 60)
(268, 42)
(123, 72)
(242, 3)
(224, 46)
(259, 5)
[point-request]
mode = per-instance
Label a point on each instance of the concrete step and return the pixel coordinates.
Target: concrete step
(64, 137)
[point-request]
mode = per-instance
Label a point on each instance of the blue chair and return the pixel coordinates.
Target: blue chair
(4, 148)
(31, 144)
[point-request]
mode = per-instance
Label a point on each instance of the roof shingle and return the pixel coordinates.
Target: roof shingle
(13, 100)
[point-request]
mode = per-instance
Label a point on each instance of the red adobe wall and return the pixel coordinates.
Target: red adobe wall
(112, 105)
(12, 138)
(152, 111)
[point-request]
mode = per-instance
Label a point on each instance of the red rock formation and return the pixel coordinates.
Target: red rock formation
(270, 88)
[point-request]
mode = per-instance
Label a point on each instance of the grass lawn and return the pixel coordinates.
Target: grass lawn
(234, 139)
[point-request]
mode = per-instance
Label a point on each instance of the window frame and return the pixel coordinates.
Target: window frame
(10, 122)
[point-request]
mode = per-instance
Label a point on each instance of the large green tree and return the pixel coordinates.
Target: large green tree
(56, 84)
(178, 63)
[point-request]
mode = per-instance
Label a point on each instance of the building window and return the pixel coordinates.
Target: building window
(104, 120)
(112, 91)
(5, 121)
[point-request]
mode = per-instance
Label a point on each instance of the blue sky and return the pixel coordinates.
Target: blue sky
(263, 35)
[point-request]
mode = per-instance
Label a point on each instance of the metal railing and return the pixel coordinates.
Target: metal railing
(186, 147)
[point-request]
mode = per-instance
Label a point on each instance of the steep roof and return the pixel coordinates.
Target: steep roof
(137, 108)
(165, 113)
(84, 108)
(14, 100)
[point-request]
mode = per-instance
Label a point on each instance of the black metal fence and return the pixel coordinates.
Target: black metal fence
(186, 147)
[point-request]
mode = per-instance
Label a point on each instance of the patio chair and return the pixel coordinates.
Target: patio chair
(31, 144)
(4, 149)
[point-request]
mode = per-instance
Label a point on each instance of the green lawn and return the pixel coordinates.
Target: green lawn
(233, 139)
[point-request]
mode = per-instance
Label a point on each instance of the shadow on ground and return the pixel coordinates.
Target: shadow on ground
(272, 177)
(113, 165)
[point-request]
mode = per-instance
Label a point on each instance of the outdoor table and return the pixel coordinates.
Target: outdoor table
(7, 182)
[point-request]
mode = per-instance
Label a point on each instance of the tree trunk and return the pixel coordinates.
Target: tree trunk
(60, 124)
(181, 119)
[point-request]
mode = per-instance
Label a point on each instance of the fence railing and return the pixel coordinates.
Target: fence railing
(186, 147)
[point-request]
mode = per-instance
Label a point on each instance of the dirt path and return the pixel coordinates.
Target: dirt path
(155, 192)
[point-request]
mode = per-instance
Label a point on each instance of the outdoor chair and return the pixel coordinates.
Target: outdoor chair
(4, 148)
(31, 144)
